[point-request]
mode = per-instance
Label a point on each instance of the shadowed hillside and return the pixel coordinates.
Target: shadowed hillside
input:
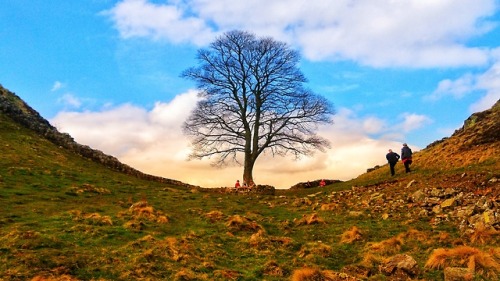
(67, 216)
(16, 109)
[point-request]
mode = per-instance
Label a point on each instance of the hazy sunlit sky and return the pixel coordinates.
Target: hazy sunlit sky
(108, 73)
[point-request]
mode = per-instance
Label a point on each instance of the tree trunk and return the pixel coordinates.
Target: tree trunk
(248, 171)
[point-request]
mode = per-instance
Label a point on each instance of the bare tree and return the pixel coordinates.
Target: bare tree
(253, 100)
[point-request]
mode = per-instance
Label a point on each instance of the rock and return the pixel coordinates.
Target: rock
(458, 274)
(448, 203)
(436, 192)
(355, 213)
(400, 265)
(410, 183)
(437, 209)
(418, 196)
(449, 192)
(264, 189)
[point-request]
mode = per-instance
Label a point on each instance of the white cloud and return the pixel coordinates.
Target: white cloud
(140, 18)
(487, 83)
(57, 85)
(455, 88)
(70, 100)
(412, 33)
(412, 121)
(373, 125)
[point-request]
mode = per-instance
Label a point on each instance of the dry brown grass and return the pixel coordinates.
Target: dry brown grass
(308, 220)
(329, 207)
(240, 223)
(484, 234)
(315, 274)
(214, 216)
(442, 236)
(371, 259)
(142, 210)
(351, 235)
(260, 240)
(272, 268)
(473, 258)
(97, 219)
(414, 234)
(54, 278)
(388, 246)
(308, 274)
(89, 188)
(302, 202)
(92, 218)
(310, 250)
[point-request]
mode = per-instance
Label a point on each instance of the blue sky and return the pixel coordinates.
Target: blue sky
(107, 72)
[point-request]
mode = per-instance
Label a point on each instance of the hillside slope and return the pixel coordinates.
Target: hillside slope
(16, 109)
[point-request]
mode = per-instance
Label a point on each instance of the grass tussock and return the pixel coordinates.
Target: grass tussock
(474, 259)
(388, 246)
(272, 268)
(351, 235)
(313, 249)
(92, 218)
(309, 219)
(484, 234)
(142, 210)
(241, 223)
(315, 274)
(214, 216)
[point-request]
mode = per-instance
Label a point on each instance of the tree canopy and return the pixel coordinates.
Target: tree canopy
(253, 100)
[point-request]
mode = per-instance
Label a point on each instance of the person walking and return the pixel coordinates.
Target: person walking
(392, 158)
(406, 157)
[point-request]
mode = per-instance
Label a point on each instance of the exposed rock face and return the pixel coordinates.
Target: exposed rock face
(14, 107)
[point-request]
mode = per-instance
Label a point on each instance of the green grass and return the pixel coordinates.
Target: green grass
(63, 216)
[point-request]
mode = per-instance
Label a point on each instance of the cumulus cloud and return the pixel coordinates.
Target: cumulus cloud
(487, 84)
(140, 18)
(412, 121)
(381, 33)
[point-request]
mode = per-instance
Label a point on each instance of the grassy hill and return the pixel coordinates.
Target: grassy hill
(66, 217)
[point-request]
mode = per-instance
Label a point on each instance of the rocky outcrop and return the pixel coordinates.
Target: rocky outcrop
(309, 184)
(15, 108)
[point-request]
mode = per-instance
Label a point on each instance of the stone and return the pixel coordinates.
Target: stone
(398, 264)
(418, 196)
(458, 274)
(436, 192)
(437, 209)
(448, 203)
(410, 183)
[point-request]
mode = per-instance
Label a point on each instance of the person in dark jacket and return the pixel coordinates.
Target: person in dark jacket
(406, 157)
(392, 158)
